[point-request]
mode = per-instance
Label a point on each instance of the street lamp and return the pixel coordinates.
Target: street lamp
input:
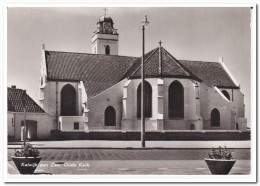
(24, 122)
(145, 24)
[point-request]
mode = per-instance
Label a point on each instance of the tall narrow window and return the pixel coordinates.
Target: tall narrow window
(107, 50)
(110, 116)
(176, 100)
(68, 101)
(215, 118)
(226, 94)
(147, 100)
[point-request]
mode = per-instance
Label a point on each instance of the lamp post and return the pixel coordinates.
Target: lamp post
(145, 24)
(24, 122)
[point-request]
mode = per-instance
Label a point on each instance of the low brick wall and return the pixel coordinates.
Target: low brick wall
(152, 136)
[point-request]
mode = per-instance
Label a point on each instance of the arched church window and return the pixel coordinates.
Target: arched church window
(68, 101)
(215, 118)
(107, 50)
(147, 100)
(226, 94)
(176, 100)
(110, 116)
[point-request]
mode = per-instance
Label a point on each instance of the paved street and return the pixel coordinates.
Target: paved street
(130, 154)
(130, 161)
(133, 144)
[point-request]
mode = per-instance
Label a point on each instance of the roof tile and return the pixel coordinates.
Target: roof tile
(211, 73)
(15, 102)
(98, 72)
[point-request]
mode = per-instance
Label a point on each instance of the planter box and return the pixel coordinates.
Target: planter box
(26, 165)
(219, 166)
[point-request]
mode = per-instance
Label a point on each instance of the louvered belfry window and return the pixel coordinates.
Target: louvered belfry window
(107, 50)
(176, 100)
(68, 101)
(147, 100)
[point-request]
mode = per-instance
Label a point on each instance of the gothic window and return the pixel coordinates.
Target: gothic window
(147, 100)
(226, 94)
(176, 100)
(68, 101)
(107, 50)
(110, 116)
(215, 118)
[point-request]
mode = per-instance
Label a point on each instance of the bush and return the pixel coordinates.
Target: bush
(27, 151)
(220, 153)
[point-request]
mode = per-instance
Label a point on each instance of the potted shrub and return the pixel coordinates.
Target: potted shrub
(220, 160)
(27, 159)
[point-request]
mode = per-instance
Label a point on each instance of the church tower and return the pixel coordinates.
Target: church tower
(105, 39)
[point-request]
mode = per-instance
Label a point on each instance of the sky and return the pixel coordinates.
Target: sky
(202, 34)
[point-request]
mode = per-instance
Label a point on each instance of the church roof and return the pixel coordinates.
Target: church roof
(211, 73)
(160, 63)
(98, 72)
(14, 98)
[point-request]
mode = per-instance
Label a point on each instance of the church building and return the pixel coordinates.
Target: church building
(101, 91)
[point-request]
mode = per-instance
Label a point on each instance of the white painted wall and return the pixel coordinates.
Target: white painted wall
(45, 123)
(66, 123)
(50, 101)
(10, 123)
(97, 105)
(99, 41)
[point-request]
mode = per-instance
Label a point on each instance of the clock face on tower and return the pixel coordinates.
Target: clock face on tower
(106, 26)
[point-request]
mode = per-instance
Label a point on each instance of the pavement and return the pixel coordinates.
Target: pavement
(130, 161)
(132, 144)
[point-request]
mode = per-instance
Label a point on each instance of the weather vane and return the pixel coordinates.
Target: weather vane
(105, 9)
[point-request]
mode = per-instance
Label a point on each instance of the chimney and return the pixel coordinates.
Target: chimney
(13, 86)
(221, 59)
(43, 46)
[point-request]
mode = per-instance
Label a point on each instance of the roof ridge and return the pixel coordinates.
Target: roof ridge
(15, 88)
(146, 59)
(89, 53)
(198, 61)
(182, 66)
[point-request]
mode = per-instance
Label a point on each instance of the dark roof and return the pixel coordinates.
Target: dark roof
(160, 63)
(98, 72)
(15, 104)
(106, 18)
(211, 73)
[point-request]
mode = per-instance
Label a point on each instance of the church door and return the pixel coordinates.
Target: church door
(68, 101)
